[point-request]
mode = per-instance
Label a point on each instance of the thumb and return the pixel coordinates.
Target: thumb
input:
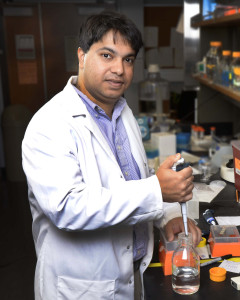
(169, 235)
(168, 162)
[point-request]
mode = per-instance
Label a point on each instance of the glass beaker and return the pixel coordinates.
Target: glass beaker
(185, 266)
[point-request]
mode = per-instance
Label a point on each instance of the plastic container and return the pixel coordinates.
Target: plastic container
(166, 250)
(224, 240)
(212, 59)
(235, 71)
(217, 274)
(154, 93)
(183, 141)
(202, 249)
(185, 266)
(152, 153)
(225, 68)
(143, 123)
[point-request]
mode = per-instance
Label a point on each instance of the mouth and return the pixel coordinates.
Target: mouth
(115, 83)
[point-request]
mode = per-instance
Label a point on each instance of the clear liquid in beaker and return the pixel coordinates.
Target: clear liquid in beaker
(185, 280)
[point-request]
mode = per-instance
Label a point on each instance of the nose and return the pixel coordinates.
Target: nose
(117, 67)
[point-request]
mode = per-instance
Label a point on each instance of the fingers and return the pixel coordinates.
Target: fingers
(175, 226)
(195, 231)
(170, 160)
(184, 190)
(186, 194)
(170, 231)
(175, 186)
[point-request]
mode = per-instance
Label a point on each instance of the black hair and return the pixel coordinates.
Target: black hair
(96, 26)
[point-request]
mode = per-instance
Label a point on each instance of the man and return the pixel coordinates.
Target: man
(92, 198)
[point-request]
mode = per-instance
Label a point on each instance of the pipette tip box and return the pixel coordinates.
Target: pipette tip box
(223, 240)
(166, 250)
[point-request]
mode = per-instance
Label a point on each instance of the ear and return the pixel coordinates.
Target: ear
(81, 55)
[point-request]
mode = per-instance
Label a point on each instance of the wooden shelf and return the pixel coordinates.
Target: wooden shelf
(221, 21)
(220, 88)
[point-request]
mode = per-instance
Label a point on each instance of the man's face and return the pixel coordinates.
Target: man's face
(106, 70)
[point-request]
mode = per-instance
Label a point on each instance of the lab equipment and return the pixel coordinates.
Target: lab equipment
(152, 153)
(154, 93)
(183, 205)
(217, 274)
(185, 266)
(183, 141)
(235, 70)
(204, 166)
(207, 168)
(143, 122)
(216, 259)
(216, 154)
(224, 240)
(227, 169)
(212, 59)
(209, 218)
(166, 249)
(224, 68)
(235, 282)
(166, 143)
(202, 249)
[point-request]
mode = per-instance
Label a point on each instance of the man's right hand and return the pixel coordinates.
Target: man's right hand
(175, 186)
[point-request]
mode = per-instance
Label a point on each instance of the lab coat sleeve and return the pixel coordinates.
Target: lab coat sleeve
(56, 182)
(170, 211)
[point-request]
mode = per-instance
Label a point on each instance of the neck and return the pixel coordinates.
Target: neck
(106, 107)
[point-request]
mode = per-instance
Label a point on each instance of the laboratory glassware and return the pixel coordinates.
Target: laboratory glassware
(185, 266)
(235, 70)
(154, 93)
(212, 59)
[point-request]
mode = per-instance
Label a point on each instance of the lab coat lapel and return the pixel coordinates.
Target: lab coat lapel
(78, 109)
(91, 125)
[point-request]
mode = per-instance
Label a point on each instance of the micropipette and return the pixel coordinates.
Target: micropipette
(183, 205)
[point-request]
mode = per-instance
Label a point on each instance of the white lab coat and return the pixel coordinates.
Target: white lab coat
(83, 209)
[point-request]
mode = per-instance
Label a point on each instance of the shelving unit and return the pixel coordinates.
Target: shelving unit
(217, 87)
(221, 21)
(225, 104)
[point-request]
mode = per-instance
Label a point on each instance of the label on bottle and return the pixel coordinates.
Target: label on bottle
(236, 76)
(225, 78)
(237, 166)
(210, 66)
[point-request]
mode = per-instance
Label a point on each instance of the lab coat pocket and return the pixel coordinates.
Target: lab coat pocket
(75, 289)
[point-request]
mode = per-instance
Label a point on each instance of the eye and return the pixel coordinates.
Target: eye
(129, 60)
(106, 55)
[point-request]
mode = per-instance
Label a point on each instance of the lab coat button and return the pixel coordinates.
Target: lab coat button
(144, 264)
(130, 281)
(128, 247)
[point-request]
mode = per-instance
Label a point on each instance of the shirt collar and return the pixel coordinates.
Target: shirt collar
(118, 108)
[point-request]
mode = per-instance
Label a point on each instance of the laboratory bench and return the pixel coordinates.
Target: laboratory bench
(158, 286)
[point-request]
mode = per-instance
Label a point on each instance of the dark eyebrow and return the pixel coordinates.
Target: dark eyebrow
(114, 52)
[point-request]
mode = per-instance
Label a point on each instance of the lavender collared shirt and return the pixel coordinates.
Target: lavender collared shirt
(115, 134)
